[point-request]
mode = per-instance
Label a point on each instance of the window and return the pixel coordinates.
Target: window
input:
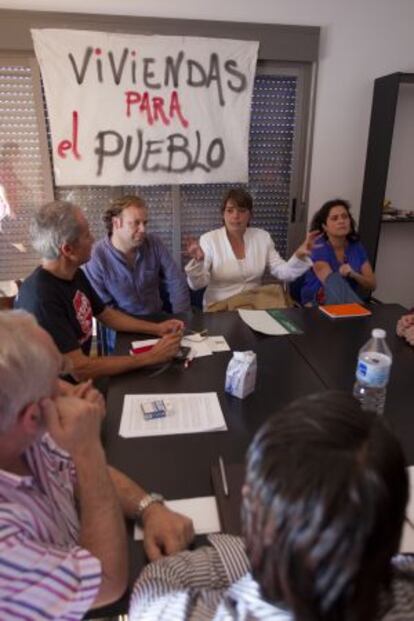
(24, 175)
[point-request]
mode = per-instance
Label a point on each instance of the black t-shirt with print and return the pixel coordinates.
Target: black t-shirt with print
(64, 308)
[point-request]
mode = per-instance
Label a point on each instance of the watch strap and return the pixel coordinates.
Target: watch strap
(148, 500)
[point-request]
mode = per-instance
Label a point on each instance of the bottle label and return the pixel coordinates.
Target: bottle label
(373, 369)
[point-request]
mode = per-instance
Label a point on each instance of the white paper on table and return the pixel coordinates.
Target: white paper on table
(261, 321)
(198, 344)
(190, 413)
(407, 540)
(205, 345)
(218, 343)
(203, 511)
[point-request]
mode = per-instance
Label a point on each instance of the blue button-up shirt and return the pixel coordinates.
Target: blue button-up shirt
(136, 289)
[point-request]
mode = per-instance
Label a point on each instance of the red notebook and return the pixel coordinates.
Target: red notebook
(139, 347)
(342, 311)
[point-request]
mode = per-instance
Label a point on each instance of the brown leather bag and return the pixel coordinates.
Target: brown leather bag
(262, 298)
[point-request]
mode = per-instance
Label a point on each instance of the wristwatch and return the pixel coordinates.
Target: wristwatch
(148, 500)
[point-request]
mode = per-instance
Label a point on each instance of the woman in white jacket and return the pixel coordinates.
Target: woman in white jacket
(232, 259)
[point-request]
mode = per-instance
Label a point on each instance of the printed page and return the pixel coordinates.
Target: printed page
(218, 343)
(188, 413)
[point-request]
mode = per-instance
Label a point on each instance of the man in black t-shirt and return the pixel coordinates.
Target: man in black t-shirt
(64, 303)
(64, 308)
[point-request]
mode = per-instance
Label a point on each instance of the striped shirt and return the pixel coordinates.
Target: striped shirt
(213, 583)
(44, 574)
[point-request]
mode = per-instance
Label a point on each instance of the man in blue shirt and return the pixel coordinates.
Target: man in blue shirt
(127, 266)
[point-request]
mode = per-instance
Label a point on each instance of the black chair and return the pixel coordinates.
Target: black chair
(196, 298)
(295, 289)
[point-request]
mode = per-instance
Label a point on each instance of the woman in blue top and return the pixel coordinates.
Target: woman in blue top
(338, 250)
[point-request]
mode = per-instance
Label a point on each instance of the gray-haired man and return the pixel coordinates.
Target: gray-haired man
(64, 302)
(62, 533)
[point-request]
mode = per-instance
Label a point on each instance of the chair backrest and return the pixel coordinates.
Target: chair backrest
(295, 288)
(196, 298)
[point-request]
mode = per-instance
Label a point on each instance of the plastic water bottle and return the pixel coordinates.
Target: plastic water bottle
(372, 372)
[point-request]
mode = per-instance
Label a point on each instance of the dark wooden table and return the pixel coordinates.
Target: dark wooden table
(331, 347)
(178, 466)
(323, 357)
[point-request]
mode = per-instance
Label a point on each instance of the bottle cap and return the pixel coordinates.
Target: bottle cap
(378, 333)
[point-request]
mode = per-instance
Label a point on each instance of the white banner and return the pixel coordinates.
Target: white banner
(144, 110)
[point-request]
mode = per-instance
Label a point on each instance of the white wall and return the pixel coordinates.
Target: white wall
(395, 260)
(361, 40)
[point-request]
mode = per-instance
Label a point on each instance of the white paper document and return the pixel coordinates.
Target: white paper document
(407, 540)
(205, 345)
(200, 345)
(218, 343)
(189, 413)
(203, 511)
(261, 321)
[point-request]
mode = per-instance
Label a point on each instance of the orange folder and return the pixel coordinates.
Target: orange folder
(339, 311)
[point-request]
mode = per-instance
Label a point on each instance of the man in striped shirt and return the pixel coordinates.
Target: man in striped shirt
(323, 508)
(62, 531)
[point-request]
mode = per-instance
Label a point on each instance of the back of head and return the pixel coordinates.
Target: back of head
(54, 224)
(326, 490)
(28, 371)
(117, 207)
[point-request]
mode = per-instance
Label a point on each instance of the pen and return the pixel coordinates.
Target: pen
(223, 477)
(188, 360)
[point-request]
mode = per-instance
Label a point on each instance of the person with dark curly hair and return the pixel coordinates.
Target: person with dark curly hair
(322, 513)
(339, 259)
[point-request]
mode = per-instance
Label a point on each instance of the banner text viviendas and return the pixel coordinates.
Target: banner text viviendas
(129, 68)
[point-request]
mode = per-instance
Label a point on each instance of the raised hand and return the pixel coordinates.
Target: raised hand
(306, 246)
(193, 249)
